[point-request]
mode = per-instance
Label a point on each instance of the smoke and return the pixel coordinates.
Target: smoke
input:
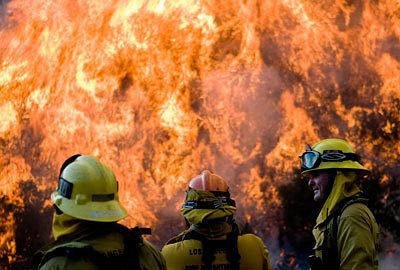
(390, 259)
(389, 262)
(3, 11)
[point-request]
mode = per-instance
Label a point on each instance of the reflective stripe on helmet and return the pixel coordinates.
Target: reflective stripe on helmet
(210, 204)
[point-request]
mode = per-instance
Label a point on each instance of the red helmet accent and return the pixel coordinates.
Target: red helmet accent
(209, 181)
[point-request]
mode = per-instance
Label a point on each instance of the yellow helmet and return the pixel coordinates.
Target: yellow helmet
(88, 190)
(331, 154)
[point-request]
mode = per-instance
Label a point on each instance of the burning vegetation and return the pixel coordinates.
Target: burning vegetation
(160, 90)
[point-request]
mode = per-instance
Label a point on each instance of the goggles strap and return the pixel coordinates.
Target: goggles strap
(338, 156)
(64, 188)
(210, 204)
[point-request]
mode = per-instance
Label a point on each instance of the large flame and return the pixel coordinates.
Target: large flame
(160, 90)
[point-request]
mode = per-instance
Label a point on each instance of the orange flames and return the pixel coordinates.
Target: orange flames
(160, 90)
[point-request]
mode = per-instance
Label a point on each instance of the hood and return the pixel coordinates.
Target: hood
(344, 187)
(65, 224)
(197, 216)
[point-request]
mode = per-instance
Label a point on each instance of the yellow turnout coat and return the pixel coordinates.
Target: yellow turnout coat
(357, 231)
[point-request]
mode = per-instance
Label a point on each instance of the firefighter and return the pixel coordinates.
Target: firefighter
(85, 228)
(346, 232)
(214, 240)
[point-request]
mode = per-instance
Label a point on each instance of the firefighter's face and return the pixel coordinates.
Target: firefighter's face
(319, 184)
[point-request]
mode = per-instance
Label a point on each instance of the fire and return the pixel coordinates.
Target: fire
(160, 90)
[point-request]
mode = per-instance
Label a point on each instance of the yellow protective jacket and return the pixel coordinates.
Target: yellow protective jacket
(181, 254)
(98, 246)
(357, 233)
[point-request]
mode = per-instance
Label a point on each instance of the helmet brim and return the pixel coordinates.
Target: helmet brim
(109, 211)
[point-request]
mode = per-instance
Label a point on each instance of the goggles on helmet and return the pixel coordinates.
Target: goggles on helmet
(223, 198)
(210, 204)
(311, 159)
